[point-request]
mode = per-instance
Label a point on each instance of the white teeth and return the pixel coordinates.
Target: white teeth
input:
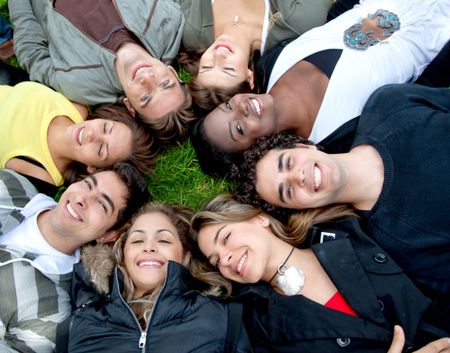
(140, 70)
(256, 105)
(80, 136)
(72, 212)
(241, 263)
(149, 263)
(317, 178)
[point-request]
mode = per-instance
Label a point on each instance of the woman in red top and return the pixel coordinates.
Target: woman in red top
(328, 285)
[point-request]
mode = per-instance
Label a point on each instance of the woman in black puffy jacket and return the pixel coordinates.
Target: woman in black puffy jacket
(141, 296)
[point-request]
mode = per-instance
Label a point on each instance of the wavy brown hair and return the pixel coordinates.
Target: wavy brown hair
(144, 148)
(180, 216)
(175, 125)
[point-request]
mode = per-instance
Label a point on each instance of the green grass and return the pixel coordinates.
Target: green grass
(177, 177)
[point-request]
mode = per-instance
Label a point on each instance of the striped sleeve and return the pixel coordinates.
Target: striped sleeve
(31, 306)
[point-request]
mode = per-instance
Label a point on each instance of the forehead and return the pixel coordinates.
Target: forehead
(154, 220)
(164, 102)
(109, 183)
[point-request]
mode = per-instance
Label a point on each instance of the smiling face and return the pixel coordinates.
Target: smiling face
(151, 242)
(300, 177)
(241, 251)
(100, 142)
(236, 125)
(89, 208)
(152, 88)
(224, 64)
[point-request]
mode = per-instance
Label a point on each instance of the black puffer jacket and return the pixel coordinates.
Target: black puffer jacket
(183, 320)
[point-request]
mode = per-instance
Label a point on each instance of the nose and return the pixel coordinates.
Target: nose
(81, 199)
(147, 76)
(243, 107)
(296, 177)
(94, 136)
(225, 257)
(150, 248)
(220, 54)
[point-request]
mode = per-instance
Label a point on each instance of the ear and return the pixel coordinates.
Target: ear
(108, 237)
(91, 169)
(263, 220)
(251, 78)
(175, 73)
(303, 145)
(130, 108)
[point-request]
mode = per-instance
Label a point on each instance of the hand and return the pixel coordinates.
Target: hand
(439, 346)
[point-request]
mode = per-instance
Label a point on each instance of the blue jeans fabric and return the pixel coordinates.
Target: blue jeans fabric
(5, 30)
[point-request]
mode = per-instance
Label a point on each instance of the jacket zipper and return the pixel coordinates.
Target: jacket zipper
(143, 337)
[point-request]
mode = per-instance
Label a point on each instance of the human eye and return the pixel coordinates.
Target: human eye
(165, 83)
(239, 129)
(164, 241)
(226, 238)
(137, 241)
(289, 191)
(145, 98)
(228, 105)
(288, 163)
(229, 69)
(104, 128)
(102, 152)
(103, 206)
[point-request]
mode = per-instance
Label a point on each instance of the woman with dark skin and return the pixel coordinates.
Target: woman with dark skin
(323, 79)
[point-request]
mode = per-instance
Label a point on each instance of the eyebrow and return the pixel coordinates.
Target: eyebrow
(228, 73)
(106, 197)
(224, 71)
(280, 170)
(216, 237)
(141, 231)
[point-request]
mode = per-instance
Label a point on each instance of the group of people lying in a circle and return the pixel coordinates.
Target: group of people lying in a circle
(331, 118)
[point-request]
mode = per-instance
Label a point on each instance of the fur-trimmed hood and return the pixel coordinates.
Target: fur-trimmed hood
(99, 264)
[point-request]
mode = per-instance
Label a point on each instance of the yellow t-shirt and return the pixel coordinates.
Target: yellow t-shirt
(26, 111)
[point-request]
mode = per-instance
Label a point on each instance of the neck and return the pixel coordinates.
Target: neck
(283, 249)
(364, 171)
(304, 87)
(60, 149)
(64, 245)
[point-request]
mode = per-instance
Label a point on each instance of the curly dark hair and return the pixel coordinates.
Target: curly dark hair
(244, 173)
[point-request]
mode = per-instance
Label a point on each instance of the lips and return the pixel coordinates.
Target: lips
(139, 69)
(241, 263)
(79, 135)
(256, 106)
(317, 178)
(223, 46)
(73, 213)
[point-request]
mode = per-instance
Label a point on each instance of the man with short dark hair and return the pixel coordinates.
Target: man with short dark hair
(37, 256)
